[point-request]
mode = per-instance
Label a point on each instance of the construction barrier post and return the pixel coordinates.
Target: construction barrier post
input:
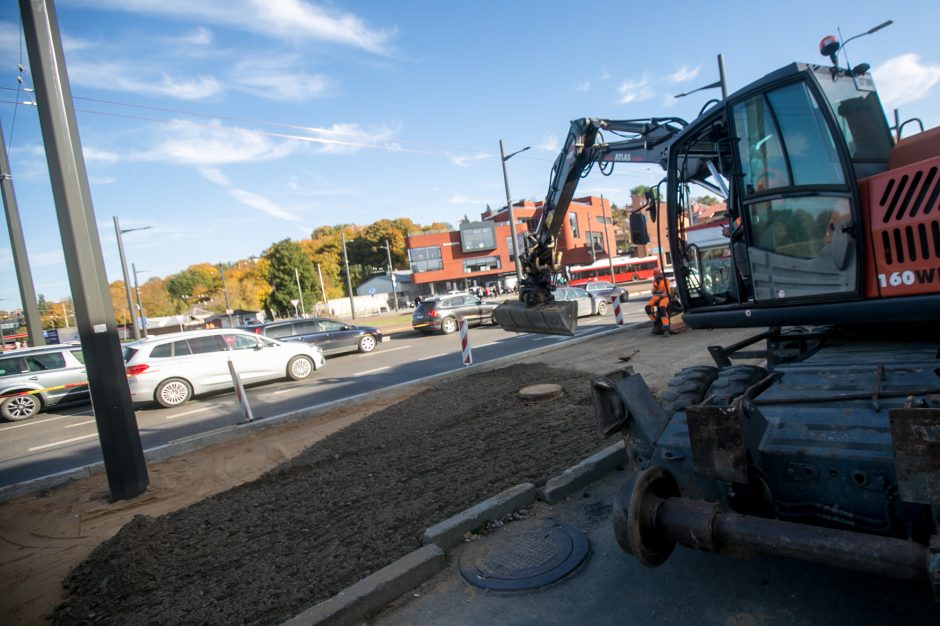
(240, 393)
(465, 352)
(618, 315)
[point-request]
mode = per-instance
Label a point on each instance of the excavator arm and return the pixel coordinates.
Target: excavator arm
(640, 141)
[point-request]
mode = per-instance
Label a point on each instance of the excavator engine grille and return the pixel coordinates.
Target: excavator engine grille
(904, 214)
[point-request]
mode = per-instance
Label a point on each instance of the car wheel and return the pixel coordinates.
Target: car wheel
(449, 325)
(493, 319)
(299, 367)
(20, 407)
(366, 343)
(624, 296)
(635, 277)
(601, 307)
(173, 392)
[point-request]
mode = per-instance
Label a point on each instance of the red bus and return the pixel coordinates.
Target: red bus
(626, 269)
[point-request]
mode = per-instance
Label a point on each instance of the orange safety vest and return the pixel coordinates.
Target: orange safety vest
(661, 287)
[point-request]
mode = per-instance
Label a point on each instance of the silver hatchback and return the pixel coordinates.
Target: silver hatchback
(36, 378)
(171, 369)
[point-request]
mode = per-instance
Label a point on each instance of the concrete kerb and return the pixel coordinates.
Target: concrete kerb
(228, 433)
(450, 533)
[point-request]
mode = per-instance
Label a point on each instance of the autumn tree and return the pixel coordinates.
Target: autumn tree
(287, 264)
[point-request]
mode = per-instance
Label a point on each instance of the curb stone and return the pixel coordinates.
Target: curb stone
(450, 532)
(579, 476)
(372, 593)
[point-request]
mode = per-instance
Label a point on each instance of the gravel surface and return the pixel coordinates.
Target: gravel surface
(347, 506)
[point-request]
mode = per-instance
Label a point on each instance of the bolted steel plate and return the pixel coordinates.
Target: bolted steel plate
(524, 555)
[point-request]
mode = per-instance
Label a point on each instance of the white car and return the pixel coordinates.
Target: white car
(588, 304)
(171, 369)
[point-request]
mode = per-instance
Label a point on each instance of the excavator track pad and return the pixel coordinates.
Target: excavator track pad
(549, 318)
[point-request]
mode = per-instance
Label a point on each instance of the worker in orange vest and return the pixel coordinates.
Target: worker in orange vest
(660, 300)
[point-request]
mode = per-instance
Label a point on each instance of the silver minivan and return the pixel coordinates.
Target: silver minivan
(32, 379)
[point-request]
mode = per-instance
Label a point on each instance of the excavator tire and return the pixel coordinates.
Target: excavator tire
(734, 381)
(688, 386)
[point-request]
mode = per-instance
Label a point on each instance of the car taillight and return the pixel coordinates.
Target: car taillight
(134, 370)
(257, 331)
(432, 313)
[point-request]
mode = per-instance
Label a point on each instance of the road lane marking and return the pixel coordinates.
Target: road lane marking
(80, 424)
(63, 442)
(373, 371)
(384, 350)
(427, 358)
(34, 422)
(185, 413)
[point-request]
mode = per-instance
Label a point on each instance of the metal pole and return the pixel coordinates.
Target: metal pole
(121, 446)
(140, 307)
(721, 77)
(611, 249)
(20, 261)
(391, 274)
(127, 281)
(352, 300)
(512, 216)
(303, 309)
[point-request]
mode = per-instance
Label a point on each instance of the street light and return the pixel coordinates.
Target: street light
(127, 283)
(391, 273)
(143, 317)
(512, 216)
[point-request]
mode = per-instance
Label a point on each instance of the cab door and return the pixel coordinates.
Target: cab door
(797, 205)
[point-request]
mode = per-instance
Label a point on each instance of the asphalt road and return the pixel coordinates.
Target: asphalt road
(59, 441)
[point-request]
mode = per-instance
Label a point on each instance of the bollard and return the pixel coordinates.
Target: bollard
(618, 315)
(240, 393)
(465, 352)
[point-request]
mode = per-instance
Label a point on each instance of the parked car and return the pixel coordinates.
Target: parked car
(607, 290)
(171, 369)
(440, 313)
(588, 304)
(332, 336)
(33, 379)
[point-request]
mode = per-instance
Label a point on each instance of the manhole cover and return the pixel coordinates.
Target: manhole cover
(524, 555)
(541, 392)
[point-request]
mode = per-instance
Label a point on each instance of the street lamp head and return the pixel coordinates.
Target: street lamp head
(130, 230)
(509, 156)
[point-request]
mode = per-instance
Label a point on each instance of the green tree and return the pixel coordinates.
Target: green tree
(707, 200)
(283, 258)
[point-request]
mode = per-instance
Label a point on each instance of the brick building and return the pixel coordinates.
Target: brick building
(480, 253)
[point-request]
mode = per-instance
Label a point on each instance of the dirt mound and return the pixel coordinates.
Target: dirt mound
(345, 507)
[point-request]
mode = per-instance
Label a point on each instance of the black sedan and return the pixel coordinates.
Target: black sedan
(331, 335)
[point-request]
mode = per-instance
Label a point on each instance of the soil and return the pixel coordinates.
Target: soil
(331, 511)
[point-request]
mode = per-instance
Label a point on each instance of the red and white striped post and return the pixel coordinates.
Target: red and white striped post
(240, 393)
(465, 352)
(618, 314)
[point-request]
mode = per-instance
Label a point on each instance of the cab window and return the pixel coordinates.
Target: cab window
(797, 227)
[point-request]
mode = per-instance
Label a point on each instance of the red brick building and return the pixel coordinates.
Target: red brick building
(480, 253)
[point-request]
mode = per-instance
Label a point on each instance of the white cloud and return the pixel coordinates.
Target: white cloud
(461, 199)
(118, 77)
(215, 175)
(278, 80)
(684, 74)
(585, 86)
(349, 138)
(213, 144)
(104, 156)
(261, 203)
(635, 91)
(103, 180)
(466, 160)
(280, 19)
(605, 75)
(199, 36)
(904, 79)
(9, 38)
(549, 143)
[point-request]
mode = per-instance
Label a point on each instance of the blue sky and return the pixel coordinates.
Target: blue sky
(227, 125)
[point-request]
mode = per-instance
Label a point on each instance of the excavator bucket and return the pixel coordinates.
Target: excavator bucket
(550, 318)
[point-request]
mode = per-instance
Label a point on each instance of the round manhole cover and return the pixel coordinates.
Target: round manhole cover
(541, 392)
(524, 555)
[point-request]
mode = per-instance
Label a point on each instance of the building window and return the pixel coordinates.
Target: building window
(603, 219)
(476, 236)
(573, 221)
(520, 242)
(481, 264)
(596, 241)
(425, 259)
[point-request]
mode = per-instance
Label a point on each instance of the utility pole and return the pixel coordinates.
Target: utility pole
(121, 447)
(391, 274)
(127, 283)
(24, 277)
(322, 287)
(228, 309)
(300, 293)
(140, 307)
(352, 300)
(611, 249)
(512, 215)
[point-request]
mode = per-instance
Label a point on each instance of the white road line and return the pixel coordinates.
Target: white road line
(185, 413)
(427, 358)
(285, 390)
(34, 422)
(373, 371)
(63, 442)
(80, 424)
(384, 350)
